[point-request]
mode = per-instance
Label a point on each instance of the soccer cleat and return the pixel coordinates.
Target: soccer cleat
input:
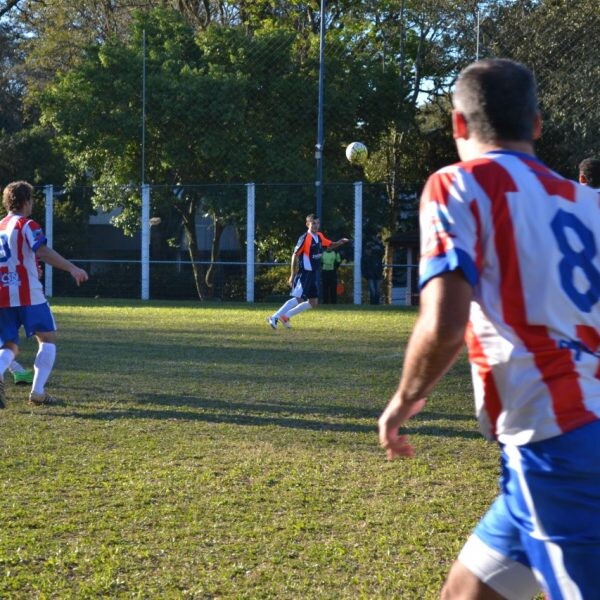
(44, 399)
(285, 321)
(23, 376)
(272, 321)
(2, 396)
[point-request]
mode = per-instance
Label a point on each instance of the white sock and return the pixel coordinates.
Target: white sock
(16, 367)
(291, 303)
(298, 309)
(42, 366)
(6, 357)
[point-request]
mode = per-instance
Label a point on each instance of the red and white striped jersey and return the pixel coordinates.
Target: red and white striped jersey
(528, 241)
(20, 237)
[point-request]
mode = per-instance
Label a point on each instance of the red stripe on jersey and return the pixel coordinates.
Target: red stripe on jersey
(491, 397)
(437, 188)
(4, 289)
(436, 192)
(24, 289)
(553, 184)
(555, 364)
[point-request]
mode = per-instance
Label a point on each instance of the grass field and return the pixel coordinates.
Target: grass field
(200, 454)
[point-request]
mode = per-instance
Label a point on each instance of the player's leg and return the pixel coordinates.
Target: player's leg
(553, 489)
(39, 321)
(462, 584)
(492, 563)
(9, 340)
(296, 294)
(310, 287)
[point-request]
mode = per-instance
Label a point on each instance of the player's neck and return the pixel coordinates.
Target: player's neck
(474, 148)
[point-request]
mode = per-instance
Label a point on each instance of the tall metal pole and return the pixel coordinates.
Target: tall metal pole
(320, 135)
(143, 106)
(477, 45)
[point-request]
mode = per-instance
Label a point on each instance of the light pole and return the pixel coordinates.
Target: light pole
(320, 135)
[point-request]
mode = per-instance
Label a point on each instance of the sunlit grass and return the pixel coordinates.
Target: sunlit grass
(200, 454)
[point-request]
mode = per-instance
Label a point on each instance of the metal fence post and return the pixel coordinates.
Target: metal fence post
(250, 233)
(145, 250)
(358, 209)
(49, 230)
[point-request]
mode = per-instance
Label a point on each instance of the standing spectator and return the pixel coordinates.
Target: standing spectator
(372, 270)
(510, 262)
(22, 300)
(305, 277)
(331, 261)
(589, 172)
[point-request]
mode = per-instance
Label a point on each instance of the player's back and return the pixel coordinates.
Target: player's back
(19, 282)
(528, 241)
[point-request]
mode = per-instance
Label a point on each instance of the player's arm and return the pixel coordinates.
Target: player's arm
(432, 349)
(339, 243)
(293, 268)
(52, 257)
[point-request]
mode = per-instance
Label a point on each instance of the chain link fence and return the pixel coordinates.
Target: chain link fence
(115, 260)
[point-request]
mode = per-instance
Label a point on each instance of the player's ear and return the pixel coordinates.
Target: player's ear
(582, 178)
(460, 129)
(537, 126)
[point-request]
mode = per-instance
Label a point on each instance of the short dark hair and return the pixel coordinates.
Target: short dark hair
(16, 195)
(498, 98)
(590, 169)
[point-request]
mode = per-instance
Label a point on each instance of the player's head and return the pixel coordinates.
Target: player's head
(498, 100)
(16, 195)
(313, 222)
(589, 172)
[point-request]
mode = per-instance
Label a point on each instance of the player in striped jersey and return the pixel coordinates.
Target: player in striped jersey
(22, 300)
(305, 274)
(510, 262)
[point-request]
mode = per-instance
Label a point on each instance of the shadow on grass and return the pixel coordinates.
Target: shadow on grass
(254, 415)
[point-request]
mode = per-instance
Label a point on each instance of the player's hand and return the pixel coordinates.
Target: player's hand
(343, 241)
(79, 275)
(393, 417)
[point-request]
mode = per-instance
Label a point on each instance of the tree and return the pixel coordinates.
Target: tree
(555, 39)
(216, 113)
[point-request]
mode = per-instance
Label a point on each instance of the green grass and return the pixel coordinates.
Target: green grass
(199, 454)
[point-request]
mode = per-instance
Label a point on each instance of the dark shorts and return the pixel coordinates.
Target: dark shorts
(306, 285)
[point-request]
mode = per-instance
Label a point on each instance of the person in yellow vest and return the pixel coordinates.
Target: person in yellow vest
(330, 262)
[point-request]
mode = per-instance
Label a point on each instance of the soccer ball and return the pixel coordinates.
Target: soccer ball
(356, 153)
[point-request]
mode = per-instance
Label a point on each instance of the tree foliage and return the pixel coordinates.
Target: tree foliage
(231, 90)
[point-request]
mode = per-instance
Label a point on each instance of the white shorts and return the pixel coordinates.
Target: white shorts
(509, 578)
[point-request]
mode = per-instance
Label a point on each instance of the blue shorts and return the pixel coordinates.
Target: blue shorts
(32, 318)
(547, 516)
(306, 285)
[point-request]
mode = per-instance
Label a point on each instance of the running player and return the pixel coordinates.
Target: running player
(22, 300)
(510, 260)
(305, 274)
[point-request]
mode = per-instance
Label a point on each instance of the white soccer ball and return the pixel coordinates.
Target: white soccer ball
(357, 153)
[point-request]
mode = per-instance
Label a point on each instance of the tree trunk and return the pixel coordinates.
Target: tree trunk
(218, 228)
(189, 226)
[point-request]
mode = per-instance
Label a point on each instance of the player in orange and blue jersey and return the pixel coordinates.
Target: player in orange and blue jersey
(305, 274)
(510, 262)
